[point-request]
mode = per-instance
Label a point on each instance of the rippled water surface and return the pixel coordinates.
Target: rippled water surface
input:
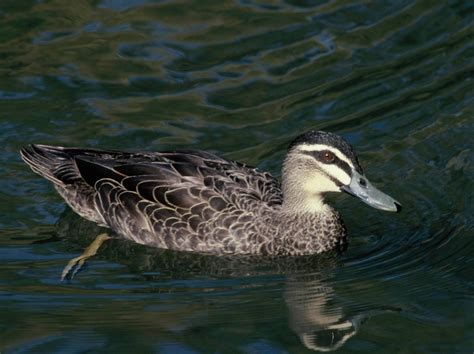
(242, 79)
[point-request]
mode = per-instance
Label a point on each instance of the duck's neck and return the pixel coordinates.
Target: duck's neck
(303, 195)
(295, 202)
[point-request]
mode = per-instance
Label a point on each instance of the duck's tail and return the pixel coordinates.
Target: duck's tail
(54, 163)
(59, 165)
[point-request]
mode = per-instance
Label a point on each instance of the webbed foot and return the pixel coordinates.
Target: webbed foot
(76, 264)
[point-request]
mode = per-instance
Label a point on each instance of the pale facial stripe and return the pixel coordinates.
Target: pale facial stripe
(335, 172)
(322, 147)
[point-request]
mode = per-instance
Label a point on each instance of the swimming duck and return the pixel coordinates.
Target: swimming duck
(199, 202)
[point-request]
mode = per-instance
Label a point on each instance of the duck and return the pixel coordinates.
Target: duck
(196, 201)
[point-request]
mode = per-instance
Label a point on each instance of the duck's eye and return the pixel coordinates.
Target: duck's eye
(328, 157)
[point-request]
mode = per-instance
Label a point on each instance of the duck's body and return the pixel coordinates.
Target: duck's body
(196, 201)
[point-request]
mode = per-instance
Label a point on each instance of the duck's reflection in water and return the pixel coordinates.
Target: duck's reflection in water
(316, 314)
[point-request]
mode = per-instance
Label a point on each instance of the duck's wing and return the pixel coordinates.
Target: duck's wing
(144, 194)
(230, 177)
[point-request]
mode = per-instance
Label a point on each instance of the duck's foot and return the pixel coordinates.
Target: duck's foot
(76, 263)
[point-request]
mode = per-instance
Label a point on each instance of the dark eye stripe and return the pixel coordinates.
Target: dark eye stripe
(343, 166)
(319, 155)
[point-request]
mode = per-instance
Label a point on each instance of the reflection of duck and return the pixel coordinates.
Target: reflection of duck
(197, 201)
(317, 313)
(317, 316)
(314, 316)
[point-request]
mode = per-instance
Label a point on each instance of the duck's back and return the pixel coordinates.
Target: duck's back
(187, 200)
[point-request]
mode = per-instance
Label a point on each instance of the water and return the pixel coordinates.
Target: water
(242, 79)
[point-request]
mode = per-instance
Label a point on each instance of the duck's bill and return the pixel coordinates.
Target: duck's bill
(361, 188)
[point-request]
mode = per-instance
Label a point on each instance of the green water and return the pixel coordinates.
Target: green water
(242, 79)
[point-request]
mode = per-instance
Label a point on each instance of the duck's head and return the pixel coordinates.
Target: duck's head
(319, 162)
